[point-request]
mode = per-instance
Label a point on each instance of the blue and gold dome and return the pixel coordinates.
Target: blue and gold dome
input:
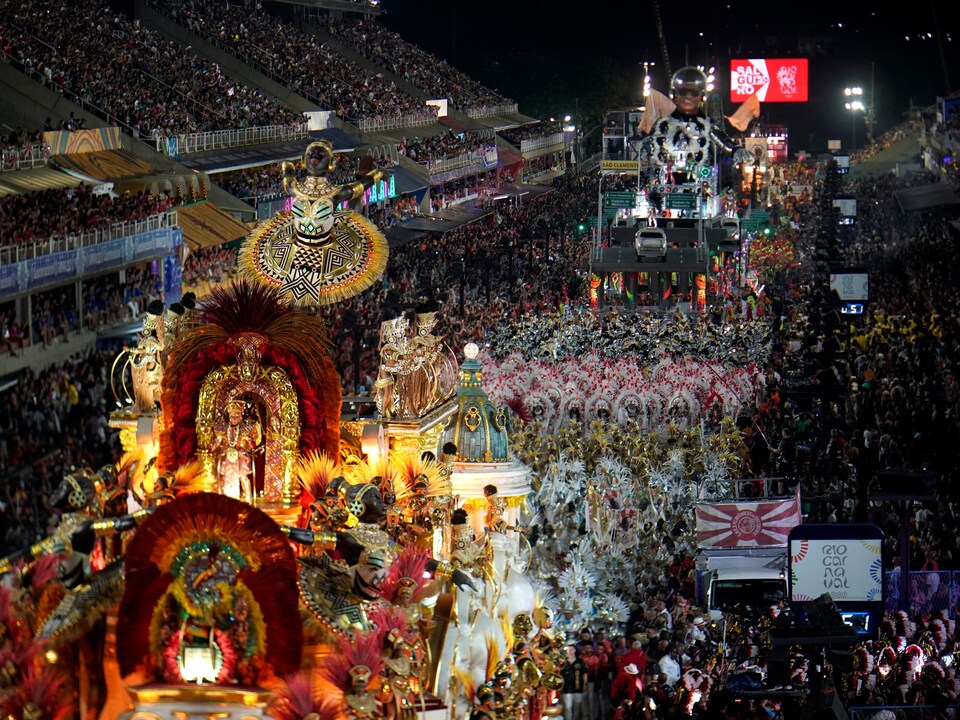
(478, 428)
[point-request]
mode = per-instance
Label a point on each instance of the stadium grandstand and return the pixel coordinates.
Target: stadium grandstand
(137, 154)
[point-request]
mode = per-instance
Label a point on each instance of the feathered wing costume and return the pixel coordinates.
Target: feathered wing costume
(253, 319)
(207, 573)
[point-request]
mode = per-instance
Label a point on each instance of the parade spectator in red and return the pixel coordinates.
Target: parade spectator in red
(627, 685)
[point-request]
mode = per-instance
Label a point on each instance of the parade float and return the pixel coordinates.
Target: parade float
(251, 555)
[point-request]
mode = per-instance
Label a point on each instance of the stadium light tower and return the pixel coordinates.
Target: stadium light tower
(646, 77)
(855, 105)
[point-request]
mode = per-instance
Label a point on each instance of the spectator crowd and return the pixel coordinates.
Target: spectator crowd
(881, 396)
(432, 75)
(54, 213)
(130, 73)
(298, 59)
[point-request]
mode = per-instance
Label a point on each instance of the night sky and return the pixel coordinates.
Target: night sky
(555, 62)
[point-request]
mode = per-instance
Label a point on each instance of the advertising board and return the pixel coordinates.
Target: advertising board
(771, 80)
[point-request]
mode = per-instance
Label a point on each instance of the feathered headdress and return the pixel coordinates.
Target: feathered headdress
(383, 473)
(287, 337)
(357, 652)
(408, 568)
(247, 572)
(316, 471)
(387, 618)
(413, 470)
(40, 688)
(296, 701)
(186, 479)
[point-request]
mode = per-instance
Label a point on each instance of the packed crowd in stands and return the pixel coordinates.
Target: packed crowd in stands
(108, 300)
(298, 59)
(208, 267)
(54, 213)
(111, 299)
(895, 134)
(151, 85)
(432, 75)
(829, 421)
(517, 135)
(450, 144)
(53, 419)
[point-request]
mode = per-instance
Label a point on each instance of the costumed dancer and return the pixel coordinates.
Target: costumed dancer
(317, 253)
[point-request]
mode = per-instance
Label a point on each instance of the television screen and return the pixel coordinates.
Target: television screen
(848, 569)
(771, 80)
(851, 286)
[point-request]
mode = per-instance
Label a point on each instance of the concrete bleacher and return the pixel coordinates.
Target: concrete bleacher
(229, 63)
(36, 356)
(136, 163)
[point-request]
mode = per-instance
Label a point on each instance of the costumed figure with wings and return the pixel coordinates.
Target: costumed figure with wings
(318, 253)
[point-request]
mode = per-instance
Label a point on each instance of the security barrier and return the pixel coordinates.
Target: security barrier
(67, 243)
(33, 156)
(176, 145)
(930, 591)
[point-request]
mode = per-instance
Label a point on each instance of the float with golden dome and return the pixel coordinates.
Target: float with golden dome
(253, 555)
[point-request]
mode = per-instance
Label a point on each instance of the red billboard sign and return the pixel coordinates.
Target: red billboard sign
(783, 80)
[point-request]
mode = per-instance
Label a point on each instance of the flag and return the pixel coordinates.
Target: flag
(747, 523)
(658, 106)
(748, 110)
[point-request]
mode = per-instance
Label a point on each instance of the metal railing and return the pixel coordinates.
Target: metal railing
(25, 158)
(590, 164)
(221, 139)
(469, 159)
(491, 110)
(903, 712)
(395, 122)
(929, 591)
(538, 143)
(386, 152)
(534, 177)
(62, 243)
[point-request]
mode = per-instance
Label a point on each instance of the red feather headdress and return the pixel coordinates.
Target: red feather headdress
(294, 340)
(357, 651)
(411, 563)
(296, 701)
(215, 526)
